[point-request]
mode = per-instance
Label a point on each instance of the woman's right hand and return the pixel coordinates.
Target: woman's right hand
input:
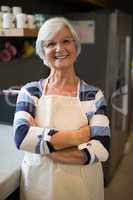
(84, 134)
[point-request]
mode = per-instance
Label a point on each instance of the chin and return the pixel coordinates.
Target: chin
(63, 65)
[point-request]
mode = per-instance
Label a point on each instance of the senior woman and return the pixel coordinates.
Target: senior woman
(60, 124)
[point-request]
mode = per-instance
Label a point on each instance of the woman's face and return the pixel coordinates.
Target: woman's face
(60, 50)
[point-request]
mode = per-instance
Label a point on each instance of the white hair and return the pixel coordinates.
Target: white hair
(51, 26)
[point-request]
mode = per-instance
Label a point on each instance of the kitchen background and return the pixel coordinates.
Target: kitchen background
(105, 60)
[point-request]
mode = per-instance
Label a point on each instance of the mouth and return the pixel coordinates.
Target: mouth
(61, 56)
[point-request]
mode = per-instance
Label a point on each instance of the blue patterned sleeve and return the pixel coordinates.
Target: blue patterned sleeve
(28, 136)
(97, 149)
(99, 122)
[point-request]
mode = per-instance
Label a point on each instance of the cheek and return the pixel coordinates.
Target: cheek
(48, 55)
(74, 53)
(74, 50)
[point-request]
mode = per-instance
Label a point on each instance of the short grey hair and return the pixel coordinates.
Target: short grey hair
(49, 27)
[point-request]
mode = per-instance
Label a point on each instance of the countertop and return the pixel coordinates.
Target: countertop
(10, 161)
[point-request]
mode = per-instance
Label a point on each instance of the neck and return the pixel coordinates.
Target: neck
(62, 78)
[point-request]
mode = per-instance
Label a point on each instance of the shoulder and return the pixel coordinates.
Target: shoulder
(88, 92)
(33, 88)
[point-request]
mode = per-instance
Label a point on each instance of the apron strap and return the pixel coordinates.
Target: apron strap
(45, 85)
(78, 89)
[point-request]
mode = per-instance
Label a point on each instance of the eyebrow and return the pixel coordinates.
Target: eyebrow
(51, 40)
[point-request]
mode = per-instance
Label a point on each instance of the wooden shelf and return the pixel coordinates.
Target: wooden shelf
(18, 32)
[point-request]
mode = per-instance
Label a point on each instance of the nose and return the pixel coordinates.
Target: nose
(59, 46)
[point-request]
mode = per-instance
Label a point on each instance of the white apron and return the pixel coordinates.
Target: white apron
(42, 178)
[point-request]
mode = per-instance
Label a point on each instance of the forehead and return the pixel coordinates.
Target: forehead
(58, 32)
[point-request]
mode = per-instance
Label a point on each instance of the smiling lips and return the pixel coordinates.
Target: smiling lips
(61, 56)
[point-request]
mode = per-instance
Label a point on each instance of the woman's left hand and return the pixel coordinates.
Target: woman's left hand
(84, 134)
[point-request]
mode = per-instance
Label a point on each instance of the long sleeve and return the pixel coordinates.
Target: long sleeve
(97, 149)
(28, 136)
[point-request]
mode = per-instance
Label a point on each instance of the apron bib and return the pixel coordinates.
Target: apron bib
(43, 179)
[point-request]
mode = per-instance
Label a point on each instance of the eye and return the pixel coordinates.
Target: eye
(50, 44)
(67, 41)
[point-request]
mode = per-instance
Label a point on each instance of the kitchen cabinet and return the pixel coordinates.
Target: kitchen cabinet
(18, 71)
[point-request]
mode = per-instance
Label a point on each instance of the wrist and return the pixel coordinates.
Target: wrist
(86, 149)
(47, 135)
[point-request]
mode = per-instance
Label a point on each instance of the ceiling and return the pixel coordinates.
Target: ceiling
(126, 5)
(85, 5)
(70, 5)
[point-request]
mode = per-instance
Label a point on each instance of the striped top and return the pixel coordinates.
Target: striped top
(24, 124)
